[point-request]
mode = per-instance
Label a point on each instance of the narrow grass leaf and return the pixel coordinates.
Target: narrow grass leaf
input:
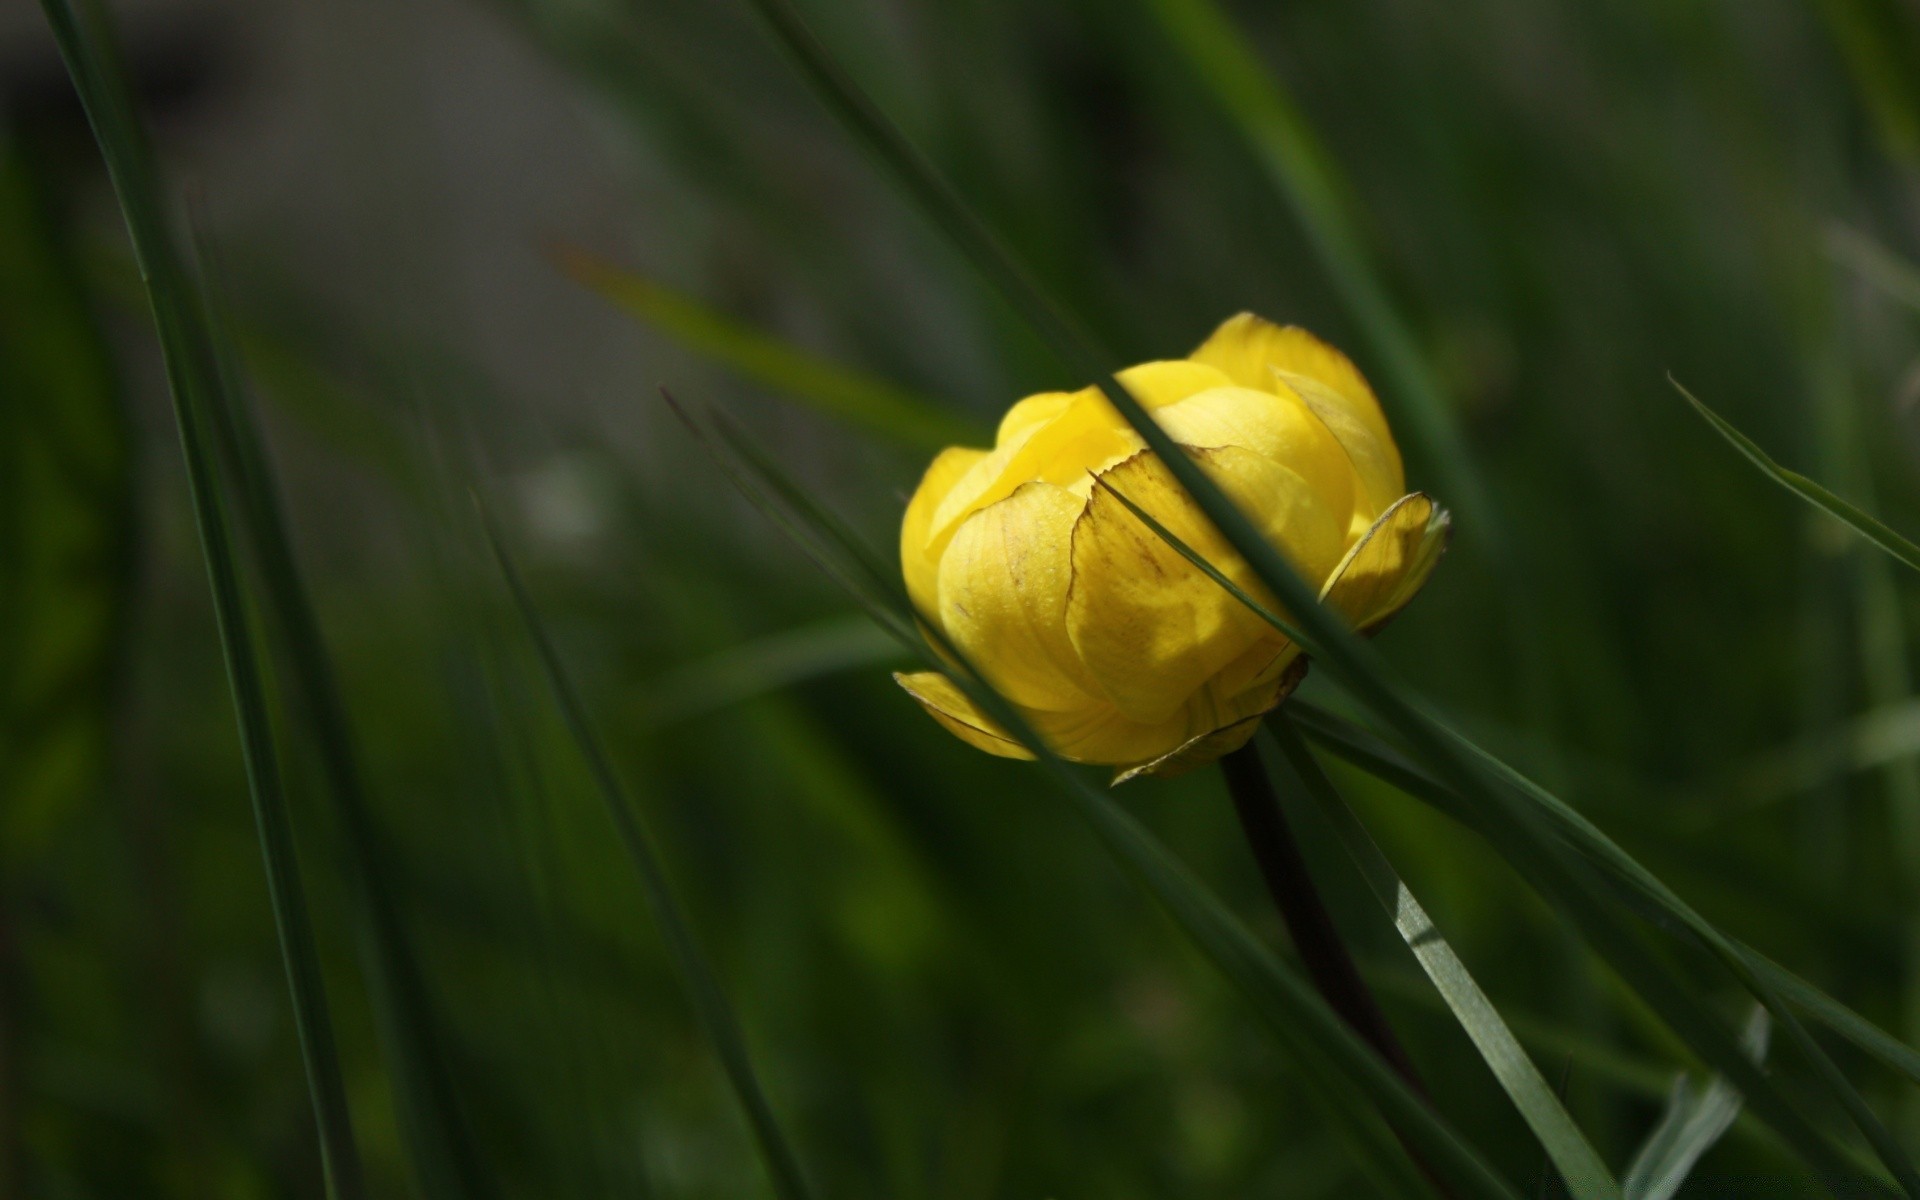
(193, 378)
(442, 1147)
(1580, 1165)
(1695, 1119)
(764, 665)
(814, 382)
(1659, 903)
(710, 1003)
(1860, 521)
(1291, 1008)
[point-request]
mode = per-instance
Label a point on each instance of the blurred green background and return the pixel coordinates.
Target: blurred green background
(949, 988)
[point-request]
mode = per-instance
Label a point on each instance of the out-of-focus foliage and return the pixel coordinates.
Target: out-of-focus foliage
(948, 990)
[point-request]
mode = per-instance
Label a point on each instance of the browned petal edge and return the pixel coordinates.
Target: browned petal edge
(942, 716)
(1197, 752)
(1435, 539)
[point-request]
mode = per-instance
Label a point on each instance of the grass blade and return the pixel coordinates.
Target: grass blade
(193, 378)
(1579, 1164)
(1860, 521)
(1306, 177)
(815, 382)
(412, 1030)
(764, 665)
(710, 1003)
(1303, 1021)
(1374, 756)
(1692, 1123)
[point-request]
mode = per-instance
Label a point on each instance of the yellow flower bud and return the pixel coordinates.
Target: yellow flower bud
(1113, 646)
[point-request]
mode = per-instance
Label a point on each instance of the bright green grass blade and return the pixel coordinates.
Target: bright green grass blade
(1299, 1016)
(443, 1151)
(1693, 1121)
(1512, 825)
(764, 665)
(815, 382)
(1374, 756)
(1876, 264)
(1579, 1164)
(192, 375)
(1305, 175)
(709, 1001)
(1861, 522)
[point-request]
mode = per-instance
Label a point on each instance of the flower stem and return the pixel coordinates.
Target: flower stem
(1309, 924)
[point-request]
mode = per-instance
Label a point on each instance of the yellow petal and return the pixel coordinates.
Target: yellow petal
(1277, 424)
(1228, 726)
(949, 705)
(1003, 597)
(1083, 436)
(1149, 625)
(1374, 458)
(1387, 567)
(1033, 411)
(1096, 733)
(1157, 384)
(918, 563)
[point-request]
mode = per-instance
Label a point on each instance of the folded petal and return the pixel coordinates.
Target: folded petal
(918, 563)
(1277, 424)
(1225, 722)
(1003, 597)
(1390, 564)
(949, 705)
(1149, 625)
(1374, 459)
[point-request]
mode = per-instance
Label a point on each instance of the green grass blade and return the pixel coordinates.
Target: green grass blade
(1512, 825)
(709, 1000)
(193, 378)
(1692, 1123)
(814, 382)
(1374, 756)
(1876, 264)
(1306, 177)
(417, 1038)
(1580, 1165)
(1289, 1005)
(764, 665)
(1860, 521)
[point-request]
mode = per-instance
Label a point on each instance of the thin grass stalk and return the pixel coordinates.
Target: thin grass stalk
(411, 1027)
(193, 380)
(710, 1002)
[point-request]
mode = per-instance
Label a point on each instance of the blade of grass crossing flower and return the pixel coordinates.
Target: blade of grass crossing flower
(192, 377)
(1374, 756)
(1548, 866)
(1580, 1165)
(813, 381)
(1693, 1121)
(710, 1003)
(1516, 831)
(441, 1145)
(1286, 1001)
(1860, 521)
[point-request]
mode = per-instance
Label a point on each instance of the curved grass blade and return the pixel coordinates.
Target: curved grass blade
(1860, 521)
(442, 1146)
(1876, 264)
(193, 378)
(1580, 1165)
(1305, 175)
(764, 665)
(1692, 1123)
(815, 382)
(709, 1001)
(1374, 756)
(1303, 1021)
(1512, 825)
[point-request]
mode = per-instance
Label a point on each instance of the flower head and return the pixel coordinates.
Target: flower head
(1113, 646)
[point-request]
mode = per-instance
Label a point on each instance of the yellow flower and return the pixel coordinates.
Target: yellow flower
(1114, 647)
